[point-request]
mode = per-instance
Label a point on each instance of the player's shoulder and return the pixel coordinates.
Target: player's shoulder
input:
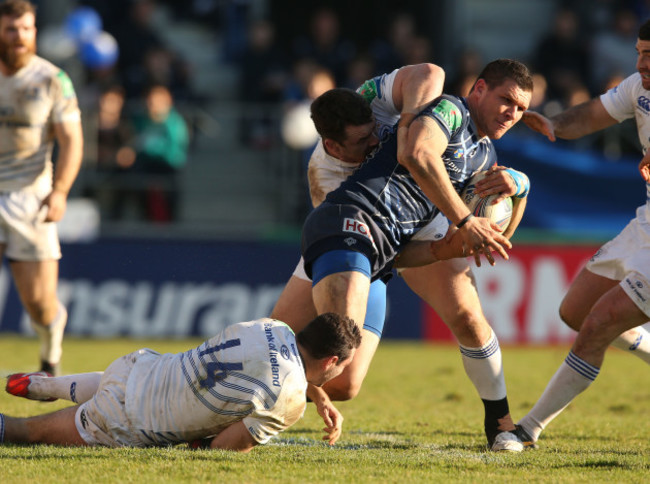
(378, 87)
(44, 67)
(448, 110)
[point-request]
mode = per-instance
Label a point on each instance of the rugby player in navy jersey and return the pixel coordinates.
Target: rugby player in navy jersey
(354, 236)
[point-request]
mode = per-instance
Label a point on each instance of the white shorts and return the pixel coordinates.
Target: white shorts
(26, 236)
(102, 420)
(626, 258)
(434, 230)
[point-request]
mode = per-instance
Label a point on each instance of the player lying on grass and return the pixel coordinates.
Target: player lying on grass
(237, 389)
(350, 132)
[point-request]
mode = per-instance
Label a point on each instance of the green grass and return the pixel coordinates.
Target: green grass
(418, 419)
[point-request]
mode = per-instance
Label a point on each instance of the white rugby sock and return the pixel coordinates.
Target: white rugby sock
(77, 388)
(485, 369)
(572, 378)
(635, 341)
(51, 336)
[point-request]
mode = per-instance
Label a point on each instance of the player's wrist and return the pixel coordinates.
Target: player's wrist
(462, 222)
(61, 189)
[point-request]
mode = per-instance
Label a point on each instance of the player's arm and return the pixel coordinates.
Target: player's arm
(423, 159)
(331, 416)
(414, 88)
(70, 140)
(575, 122)
(235, 437)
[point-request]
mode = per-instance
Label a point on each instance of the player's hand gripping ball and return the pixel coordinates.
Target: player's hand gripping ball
(500, 214)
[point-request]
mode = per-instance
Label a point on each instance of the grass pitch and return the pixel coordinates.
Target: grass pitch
(418, 419)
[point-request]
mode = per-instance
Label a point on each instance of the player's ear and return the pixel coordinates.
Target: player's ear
(480, 86)
(330, 362)
(333, 148)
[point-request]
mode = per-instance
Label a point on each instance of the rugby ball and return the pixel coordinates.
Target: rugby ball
(500, 214)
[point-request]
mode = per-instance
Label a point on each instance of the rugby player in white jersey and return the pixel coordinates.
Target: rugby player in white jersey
(447, 286)
(610, 298)
(234, 391)
(37, 105)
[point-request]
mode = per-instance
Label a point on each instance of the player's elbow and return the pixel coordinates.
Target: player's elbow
(434, 72)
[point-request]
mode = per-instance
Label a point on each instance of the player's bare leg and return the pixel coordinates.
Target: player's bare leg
(53, 428)
(36, 283)
(295, 306)
(344, 293)
(449, 288)
(583, 293)
(611, 315)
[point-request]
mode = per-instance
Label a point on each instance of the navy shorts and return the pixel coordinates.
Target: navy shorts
(346, 227)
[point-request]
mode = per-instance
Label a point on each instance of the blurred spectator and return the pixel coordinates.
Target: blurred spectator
(538, 98)
(391, 52)
(156, 157)
(360, 69)
(144, 57)
(611, 52)
(468, 68)
(562, 56)
(112, 134)
(420, 50)
(264, 73)
(297, 128)
(325, 45)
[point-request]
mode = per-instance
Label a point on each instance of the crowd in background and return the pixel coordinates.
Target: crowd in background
(588, 49)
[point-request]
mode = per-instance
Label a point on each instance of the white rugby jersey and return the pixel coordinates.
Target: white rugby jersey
(250, 370)
(326, 173)
(630, 100)
(31, 100)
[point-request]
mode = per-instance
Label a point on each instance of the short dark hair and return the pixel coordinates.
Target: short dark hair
(330, 334)
(16, 8)
(497, 71)
(644, 31)
(337, 108)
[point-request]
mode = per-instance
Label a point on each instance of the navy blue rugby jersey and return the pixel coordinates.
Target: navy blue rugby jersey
(386, 190)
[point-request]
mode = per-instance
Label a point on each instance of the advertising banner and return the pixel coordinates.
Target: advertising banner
(177, 289)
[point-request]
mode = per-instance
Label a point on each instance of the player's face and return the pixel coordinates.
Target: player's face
(17, 40)
(499, 108)
(643, 61)
(359, 142)
(333, 370)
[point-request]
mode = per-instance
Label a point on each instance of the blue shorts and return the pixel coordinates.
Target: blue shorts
(343, 261)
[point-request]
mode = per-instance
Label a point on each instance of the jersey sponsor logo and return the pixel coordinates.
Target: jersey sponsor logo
(449, 114)
(636, 287)
(459, 153)
(273, 354)
(368, 90)
(356, 227)
(284, 351)
(32, 93)
(644, 103)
